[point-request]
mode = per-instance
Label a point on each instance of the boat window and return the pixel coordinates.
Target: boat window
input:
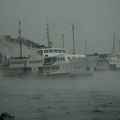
(55, 51)
(63, 51)
(32, 61)
(25, 62)
(50, 51)
(40, 52)
(50, 60)
(17, 62)
(45, 51)
(68, 58)
(60, 51)
(44, 68)
(118, 56)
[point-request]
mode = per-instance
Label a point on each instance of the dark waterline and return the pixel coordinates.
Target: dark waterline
(94, 97)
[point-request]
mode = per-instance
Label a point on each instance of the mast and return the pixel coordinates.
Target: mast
(114, 44)
(119, 45)
(48, 38)
(85, 48)
(73, 39)
(20, 40)
(63, 39)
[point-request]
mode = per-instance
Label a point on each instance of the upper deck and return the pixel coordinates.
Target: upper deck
(51, 51)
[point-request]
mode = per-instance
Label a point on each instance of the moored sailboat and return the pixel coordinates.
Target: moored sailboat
(114, 60)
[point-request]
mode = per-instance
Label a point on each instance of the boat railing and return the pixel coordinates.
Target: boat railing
(50, 63)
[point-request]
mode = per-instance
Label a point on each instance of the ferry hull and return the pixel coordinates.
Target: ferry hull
(72, 68)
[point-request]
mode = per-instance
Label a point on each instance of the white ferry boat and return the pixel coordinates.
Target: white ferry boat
(50, 61)
(114, 61)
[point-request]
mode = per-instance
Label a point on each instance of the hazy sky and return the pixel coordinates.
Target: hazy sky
(95, 21)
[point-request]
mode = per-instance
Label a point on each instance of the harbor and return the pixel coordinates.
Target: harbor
(52, 83)
(46, 60)
(59, 60)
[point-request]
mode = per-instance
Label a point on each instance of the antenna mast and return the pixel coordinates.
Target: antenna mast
(63, 39)
(85, 48)
(48, 38)
(19, 32)
(73, 39)
(119, 45)
(114, 44)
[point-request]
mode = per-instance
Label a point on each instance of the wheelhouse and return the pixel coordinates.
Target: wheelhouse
(49, 51)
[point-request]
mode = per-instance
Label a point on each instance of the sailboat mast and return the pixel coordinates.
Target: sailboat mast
(114, 44)
(63, 39)
(85, 48)
(119, 45)
(48, 38)
(20, 40)
(73, 39)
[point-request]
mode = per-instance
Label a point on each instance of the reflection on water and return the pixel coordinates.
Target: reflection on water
(93, 97)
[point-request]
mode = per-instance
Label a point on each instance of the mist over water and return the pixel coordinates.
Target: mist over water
(94, 97)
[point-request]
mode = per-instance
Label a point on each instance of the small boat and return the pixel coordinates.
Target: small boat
(114, 61)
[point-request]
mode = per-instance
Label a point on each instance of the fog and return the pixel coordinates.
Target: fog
(95, 22)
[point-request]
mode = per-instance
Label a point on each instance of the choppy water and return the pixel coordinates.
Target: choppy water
(95, 97)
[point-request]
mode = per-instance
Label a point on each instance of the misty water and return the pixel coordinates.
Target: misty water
(93, 97)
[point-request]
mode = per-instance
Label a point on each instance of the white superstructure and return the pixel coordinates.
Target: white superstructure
(114, 61)
(51, 61)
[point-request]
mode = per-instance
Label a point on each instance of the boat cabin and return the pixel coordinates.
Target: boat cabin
(49, 51)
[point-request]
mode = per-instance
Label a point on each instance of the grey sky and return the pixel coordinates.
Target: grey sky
(95, 21)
